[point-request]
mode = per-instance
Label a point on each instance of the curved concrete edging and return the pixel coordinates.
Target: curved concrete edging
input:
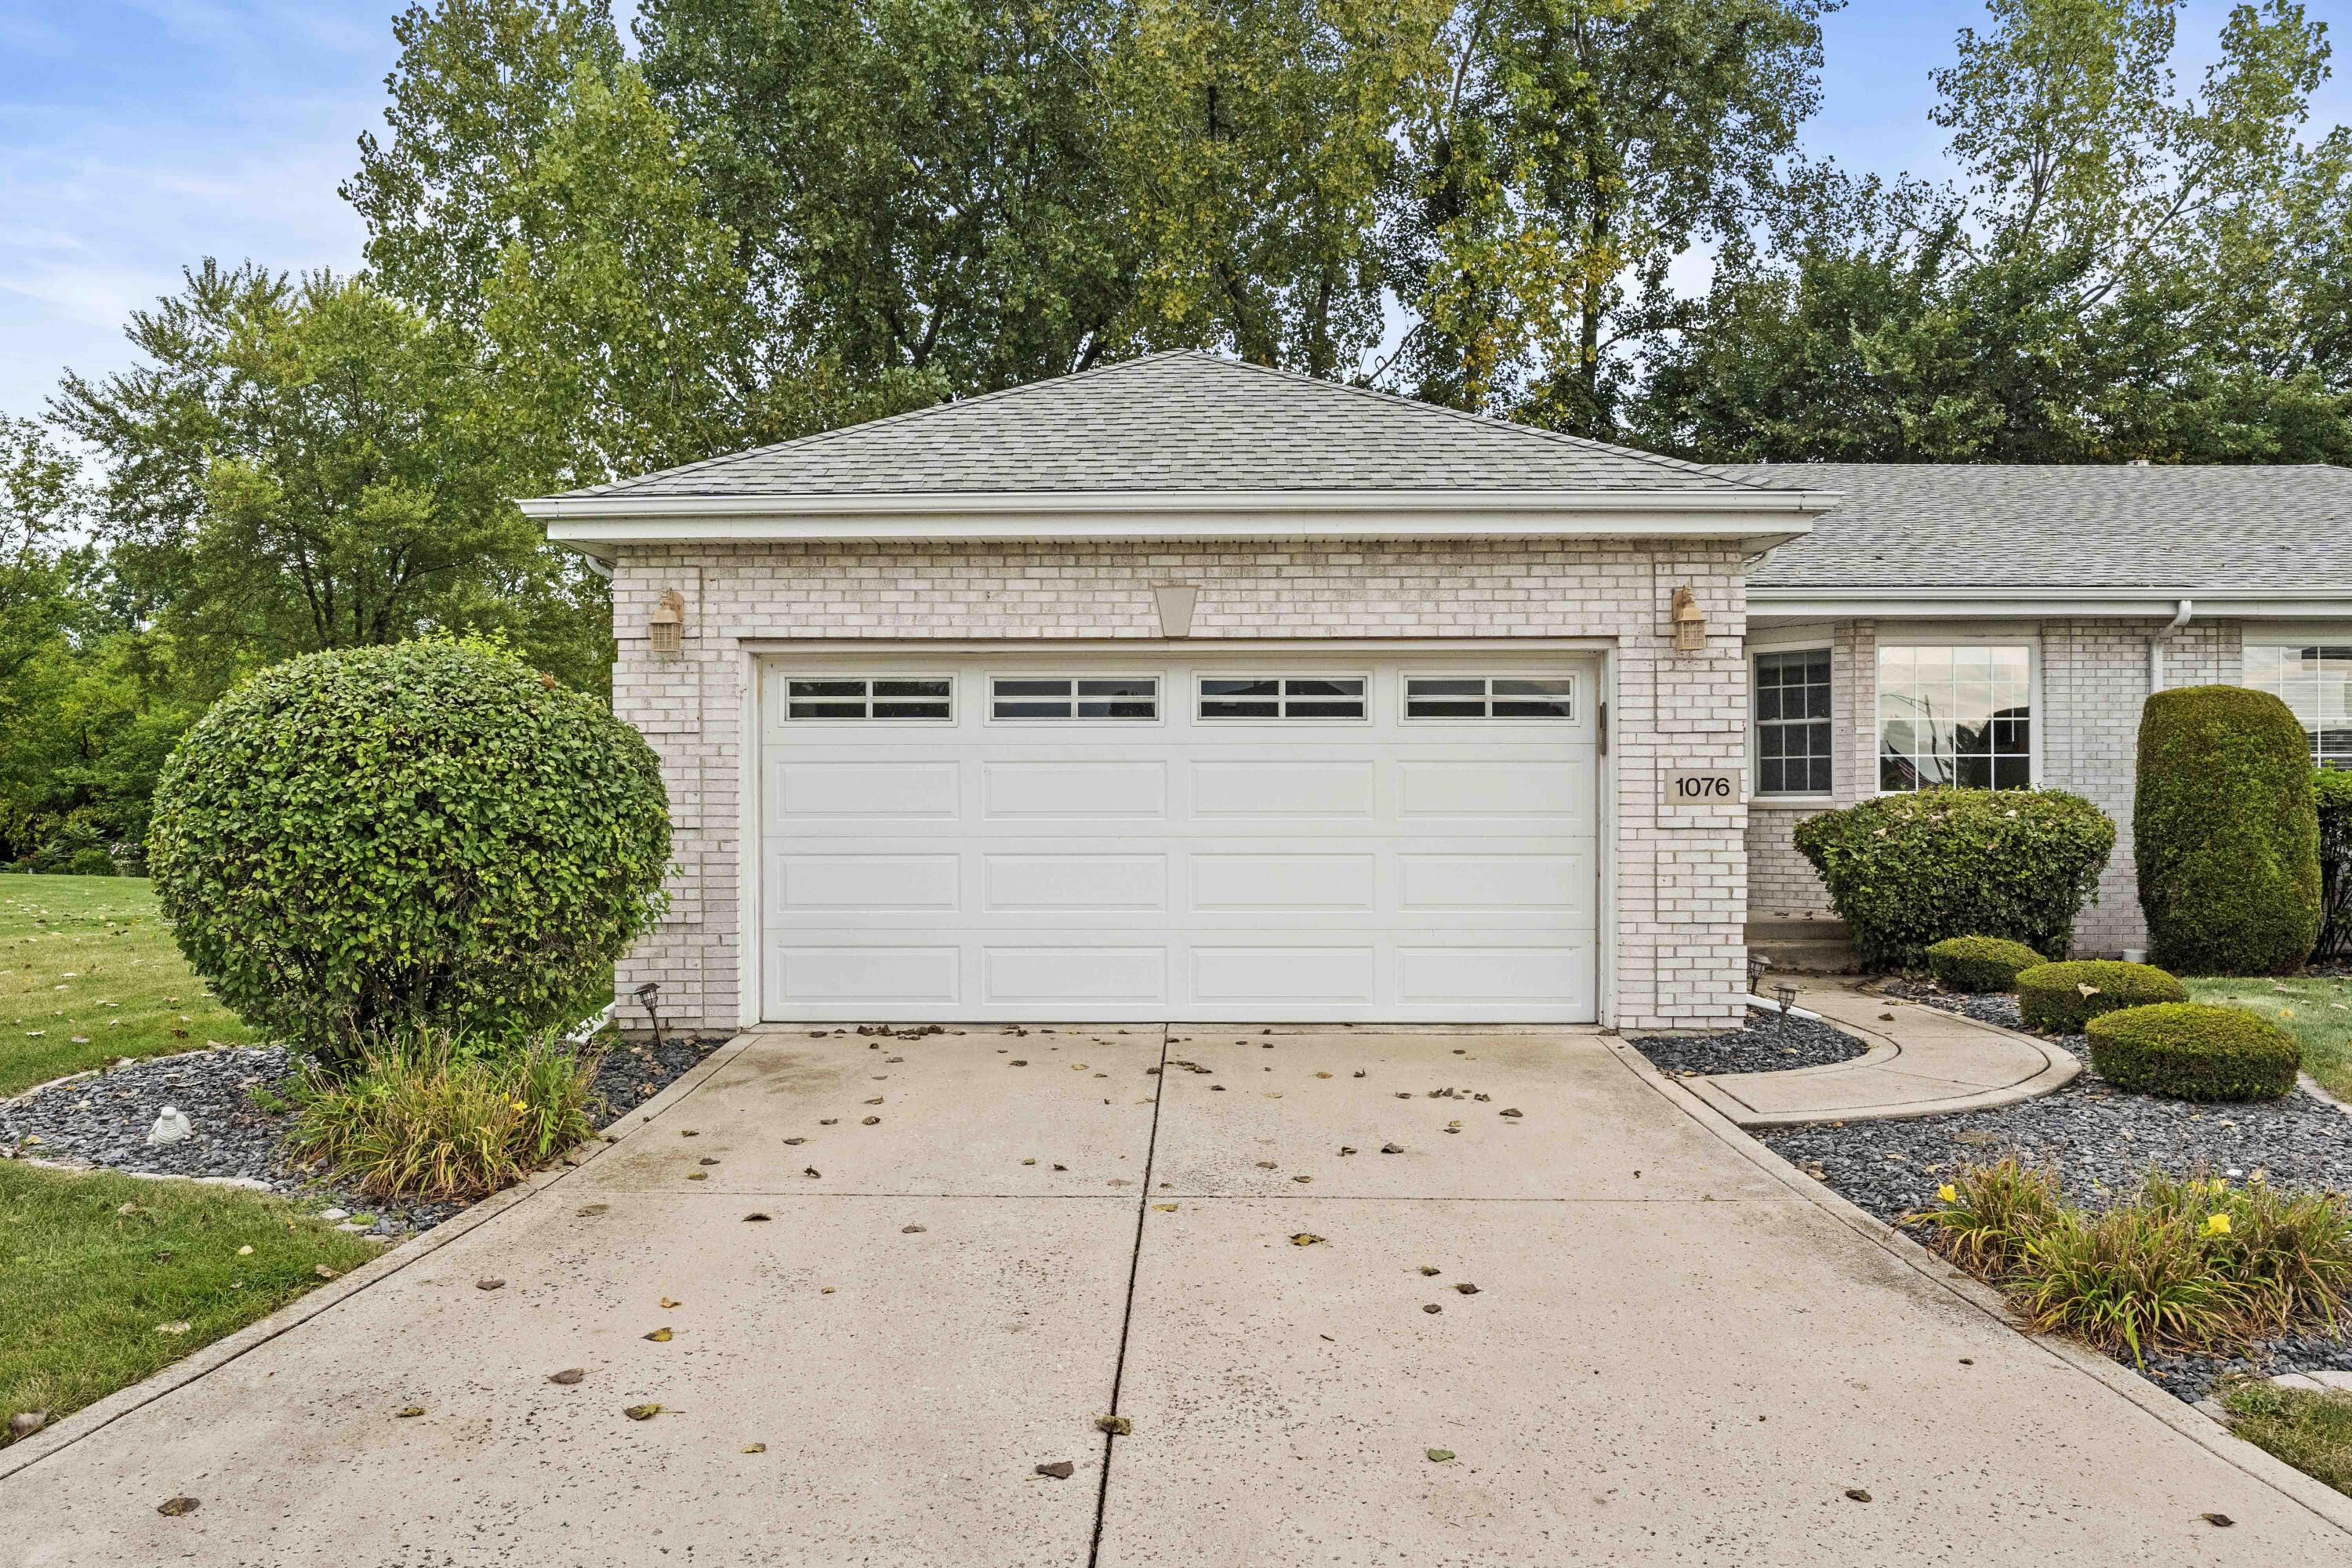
(1928, 1063)
(89, 1418)
(2314, 1496)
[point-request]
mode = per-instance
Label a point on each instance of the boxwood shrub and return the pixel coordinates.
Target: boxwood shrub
(1979, 963)
(2191, 1051)
(2331, 793)
(2062, 997)
(430, 834)
(2225, 833)
(1905, 871)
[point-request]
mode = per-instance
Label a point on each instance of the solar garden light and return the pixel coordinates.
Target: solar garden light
(1786, 996)
(646, 994)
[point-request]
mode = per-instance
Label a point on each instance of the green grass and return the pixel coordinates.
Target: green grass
(87, 1279)
(2319, 1012)
(2313, 1432)
(88, 974)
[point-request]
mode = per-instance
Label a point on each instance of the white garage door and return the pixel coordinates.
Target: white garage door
(1271, 837)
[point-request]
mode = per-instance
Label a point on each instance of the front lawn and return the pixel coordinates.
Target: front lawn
(108, 1278)
(2319, 1012)
(2313, 1432)
(89, 975)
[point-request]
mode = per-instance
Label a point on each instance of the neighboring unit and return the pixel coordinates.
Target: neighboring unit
(1184, 689)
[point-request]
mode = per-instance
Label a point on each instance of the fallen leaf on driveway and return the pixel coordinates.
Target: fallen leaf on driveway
(1116, 1426)
(641, 1412)
(795, 1139)
(1391, 1148)
(490, 1284)
(755, 1447)
(751, 1219)
(659, 1336)
(698, 1175)
(1059, 1469)
(407, 1411)
(1441, 1455)
(2219, 1520)
(1305, 1238)
(1433, 1307)
(1468, 1288)
(1266, 1165)
(1513, 1112)
(910, 1230)
(173, 1508)
(1322, 1075)
(669, 1302)
(1857, 1494)
(592, 1210)
(568, 1376)
(1165, 1208)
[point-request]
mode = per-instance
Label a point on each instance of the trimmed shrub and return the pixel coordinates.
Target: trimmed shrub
(2331, 793)
(90, 862)
(2061, 998)
(2188, 1050)
(1979, 963)
(427, 835)
(1905, 871)
(2225, 833)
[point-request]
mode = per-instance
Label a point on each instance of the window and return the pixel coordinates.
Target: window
(1083, 697)
(863, 697)
(1955, 715)
(1489, 697)
(2315, 681)
(1792, 722)
(1282, 696)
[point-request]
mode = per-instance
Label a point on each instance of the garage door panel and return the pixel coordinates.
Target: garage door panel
(1030, 883)
(1253, 881)
(1273, 868)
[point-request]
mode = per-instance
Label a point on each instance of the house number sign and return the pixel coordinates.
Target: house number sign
(1714, 786)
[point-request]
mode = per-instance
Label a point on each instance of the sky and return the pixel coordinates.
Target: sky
(138, 136)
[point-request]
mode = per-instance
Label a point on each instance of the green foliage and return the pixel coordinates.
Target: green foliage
(430, 1115)
(300, 467)
(2225, 833)
(2311, 1430)
(1905, 871)
(2331, 796)
(2188, 1050)
(427, 835)
(1972, 964)
(2191, 1264)
(2061, 998)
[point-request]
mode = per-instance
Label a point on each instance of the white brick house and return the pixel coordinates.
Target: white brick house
(1185, 689)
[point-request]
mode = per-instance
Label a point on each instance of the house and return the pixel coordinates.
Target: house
(1185, 689)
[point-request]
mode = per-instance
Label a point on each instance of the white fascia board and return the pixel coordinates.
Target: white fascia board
(1756, 519)
(1765, 604)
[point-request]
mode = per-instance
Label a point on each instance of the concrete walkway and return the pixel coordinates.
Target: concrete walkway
(1922, 1061)
(1676, 1350)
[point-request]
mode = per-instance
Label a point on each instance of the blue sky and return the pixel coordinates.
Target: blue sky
(137, 136)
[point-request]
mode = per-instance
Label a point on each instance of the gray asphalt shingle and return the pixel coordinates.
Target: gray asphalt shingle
(1952, 525)
(1177, 421)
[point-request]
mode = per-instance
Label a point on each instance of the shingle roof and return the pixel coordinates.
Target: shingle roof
(1181, 421)
(1952, 525)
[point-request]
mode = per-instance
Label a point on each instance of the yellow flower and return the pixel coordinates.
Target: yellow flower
(1948, 1192)
(2217, 1225)
(519, 1105)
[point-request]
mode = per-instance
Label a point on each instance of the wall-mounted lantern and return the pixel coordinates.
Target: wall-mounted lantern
(1690, 622)
(666, 630)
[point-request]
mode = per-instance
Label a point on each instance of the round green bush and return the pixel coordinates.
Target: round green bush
(89, 862)
(429, 834)
(2190, 1051)
(2225, 833)
(2331, 792)
(1905, 871)
(2061, 998)
(1979, 963)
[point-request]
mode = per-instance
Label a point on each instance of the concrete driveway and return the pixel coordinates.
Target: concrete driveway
(1676, 1350)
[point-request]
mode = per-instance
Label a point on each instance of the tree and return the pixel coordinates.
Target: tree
(305, 466)
(1578, 148)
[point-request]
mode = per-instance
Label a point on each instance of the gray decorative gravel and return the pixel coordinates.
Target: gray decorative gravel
(1771, 1043)
(104, 1120)
(2101, 1140)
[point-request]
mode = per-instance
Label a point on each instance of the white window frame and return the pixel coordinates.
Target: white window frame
(1933, 635)
(1160, 685)
(785, 698)
(1200, 695)
(2334, 634)
(1576, 697)
(1812, 642)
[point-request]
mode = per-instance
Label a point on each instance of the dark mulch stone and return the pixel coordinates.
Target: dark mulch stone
(1771, 1043)
(2101, 1140)
(104, 1120)
(1986, 1007)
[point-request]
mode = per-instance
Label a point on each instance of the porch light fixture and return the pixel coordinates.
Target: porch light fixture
(1690, 622)
(1175, 601)
(666, 630)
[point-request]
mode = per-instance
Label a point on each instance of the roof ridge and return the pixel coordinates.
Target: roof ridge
(818, 437)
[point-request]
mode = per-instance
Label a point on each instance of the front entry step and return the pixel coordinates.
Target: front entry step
(1796, 943)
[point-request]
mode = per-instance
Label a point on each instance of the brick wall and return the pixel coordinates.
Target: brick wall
(2094, 676)
(1682, 890)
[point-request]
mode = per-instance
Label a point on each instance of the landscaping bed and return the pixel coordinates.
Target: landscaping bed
(1771, 1042)
(2099, 1140)
(103, 1121)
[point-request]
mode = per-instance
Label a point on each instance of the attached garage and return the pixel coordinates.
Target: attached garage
(1271, 835)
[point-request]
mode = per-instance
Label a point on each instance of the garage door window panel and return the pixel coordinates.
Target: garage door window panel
(856, 698)
(1510, 697)
(1048, 699)
(1245, 697)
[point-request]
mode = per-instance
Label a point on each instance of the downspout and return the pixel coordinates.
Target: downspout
(2155, 646)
